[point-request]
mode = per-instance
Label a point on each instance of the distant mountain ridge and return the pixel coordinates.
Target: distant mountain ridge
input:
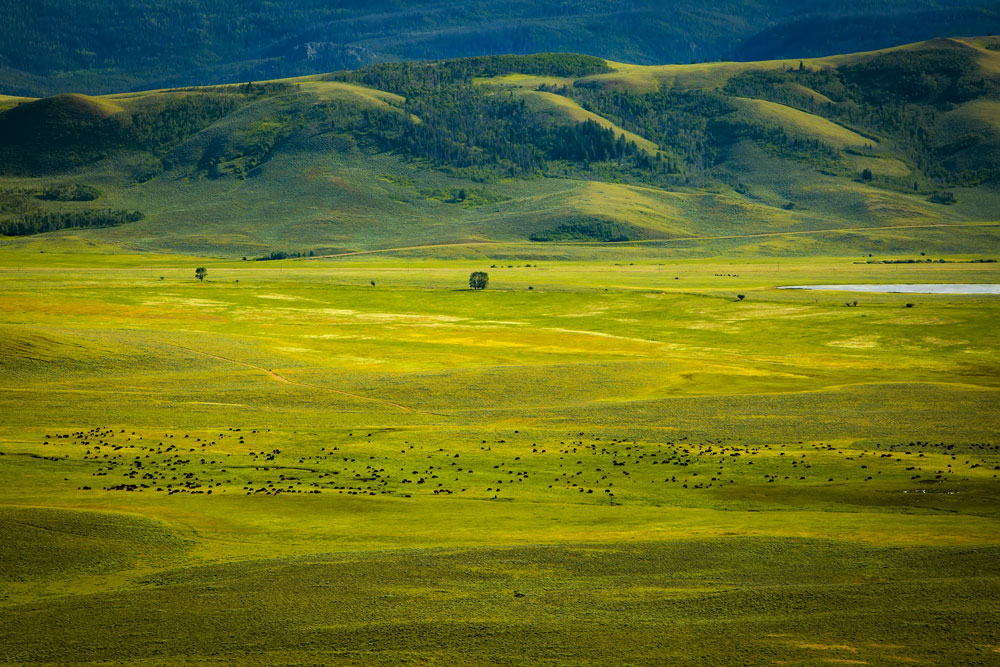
(101, 46)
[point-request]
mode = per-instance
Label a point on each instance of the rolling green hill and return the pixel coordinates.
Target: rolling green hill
(549, 148)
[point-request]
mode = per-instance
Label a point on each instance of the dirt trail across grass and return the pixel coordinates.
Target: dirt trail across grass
(281, 378)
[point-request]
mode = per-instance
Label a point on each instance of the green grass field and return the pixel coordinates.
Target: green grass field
(603, 458)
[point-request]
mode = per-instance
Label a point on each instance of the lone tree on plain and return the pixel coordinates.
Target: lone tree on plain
(479, 279)
(200, 273)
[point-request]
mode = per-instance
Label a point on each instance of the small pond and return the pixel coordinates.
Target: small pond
(915, 288)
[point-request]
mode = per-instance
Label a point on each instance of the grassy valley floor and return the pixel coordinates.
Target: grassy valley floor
(606, 457)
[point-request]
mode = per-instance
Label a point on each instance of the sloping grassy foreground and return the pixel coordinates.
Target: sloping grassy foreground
(604, 459)
(715, 602)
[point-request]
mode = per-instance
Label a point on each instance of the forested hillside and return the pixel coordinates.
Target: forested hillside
(91, 46)
(545, 147)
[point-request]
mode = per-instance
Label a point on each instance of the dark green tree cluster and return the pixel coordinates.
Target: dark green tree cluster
(945, 197)
(773, 85)
(39, 222)
(590, 229)
(481, 129)
(896, 95)
(164, 121)
(589, 142)
(930, 76)
(677, 121)
(694, 127)
(412, 78)
(468, 126)
(771, 137)
(476, 127)
(284, 254)
(24, 200)
(72, 192)
(479, 280)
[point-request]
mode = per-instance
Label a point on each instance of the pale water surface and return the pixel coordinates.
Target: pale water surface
(914, 288)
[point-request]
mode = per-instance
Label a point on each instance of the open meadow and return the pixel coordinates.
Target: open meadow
(610, 456)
